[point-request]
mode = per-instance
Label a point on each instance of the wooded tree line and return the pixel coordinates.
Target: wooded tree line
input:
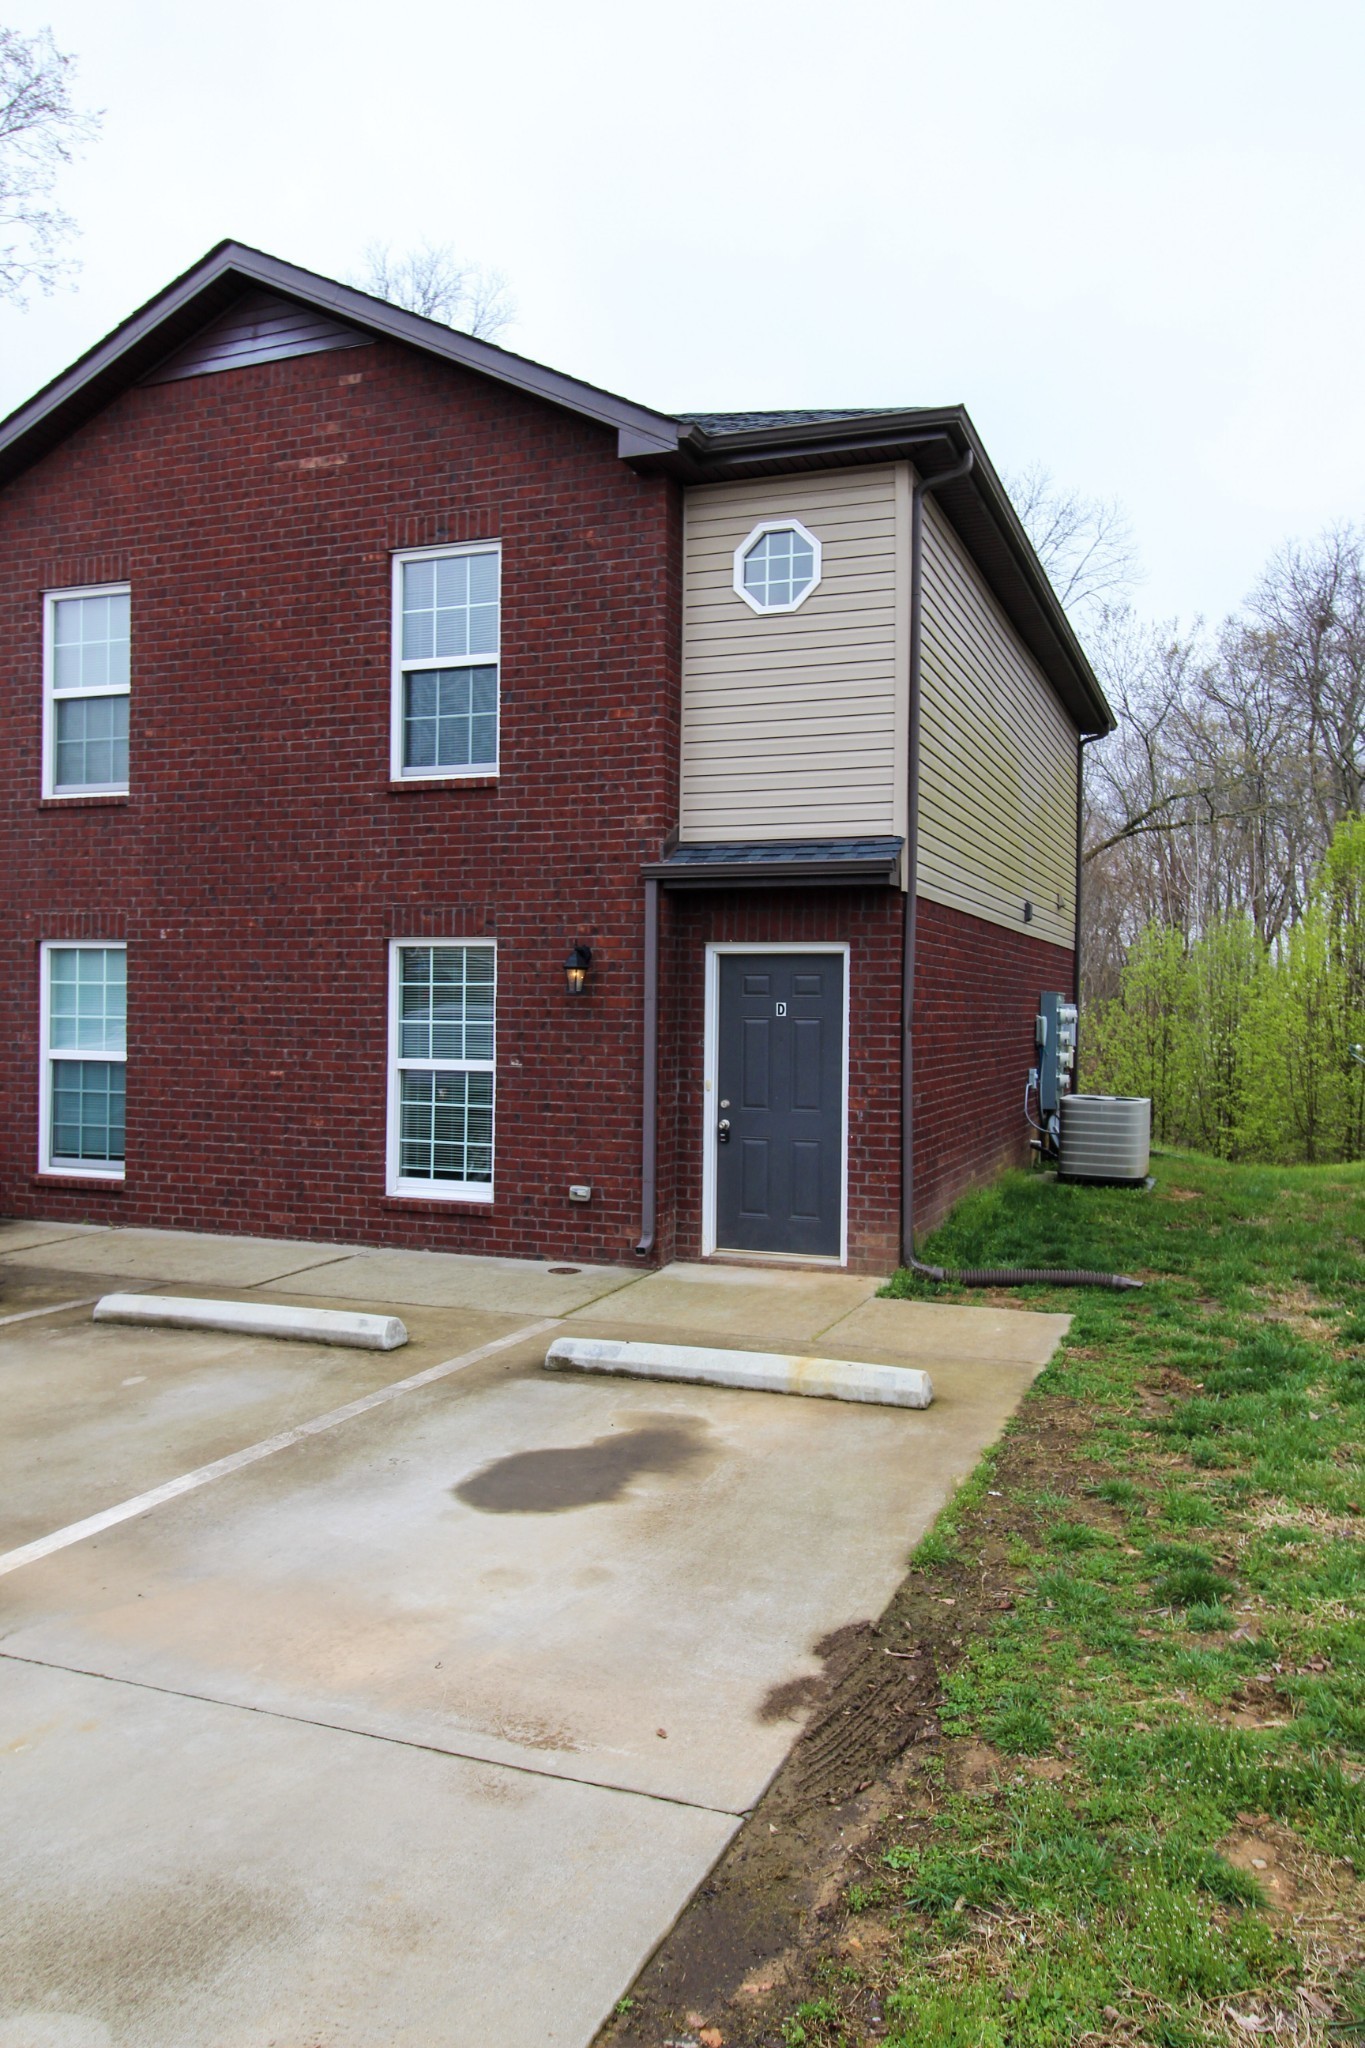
(1223, 894)
(1236, 758)
(1248, 1049)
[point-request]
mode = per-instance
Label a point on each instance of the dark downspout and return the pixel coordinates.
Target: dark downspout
(649, 1146)
(923, 485)
(1083, 740)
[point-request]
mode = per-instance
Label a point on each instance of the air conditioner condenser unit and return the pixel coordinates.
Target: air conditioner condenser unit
(1105, 1139)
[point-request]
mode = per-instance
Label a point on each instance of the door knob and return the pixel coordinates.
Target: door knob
(723, 1130)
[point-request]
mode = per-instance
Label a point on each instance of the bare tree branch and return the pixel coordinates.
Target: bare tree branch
(1235, 759)
(41, 130)
(430, 280)
(1085, 544)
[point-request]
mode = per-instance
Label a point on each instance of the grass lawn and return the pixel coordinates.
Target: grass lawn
(1140, 1822)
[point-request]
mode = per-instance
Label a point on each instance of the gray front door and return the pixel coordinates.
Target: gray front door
(779, 1103)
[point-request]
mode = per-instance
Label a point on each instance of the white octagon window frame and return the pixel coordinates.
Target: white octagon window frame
(789, 524)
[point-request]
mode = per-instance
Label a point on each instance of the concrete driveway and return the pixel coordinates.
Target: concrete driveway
(357, 1700)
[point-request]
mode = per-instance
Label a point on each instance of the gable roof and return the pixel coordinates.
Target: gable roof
(161, 327)
(695, 448)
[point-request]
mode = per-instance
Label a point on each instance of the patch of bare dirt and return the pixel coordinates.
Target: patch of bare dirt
(974, 1766)
(1257, 1704)
(1269, 1857)
(1298, 1309)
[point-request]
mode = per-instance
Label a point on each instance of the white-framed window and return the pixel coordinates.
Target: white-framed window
(447, 605)
(85, 690)
(83, 1025)
(777, 566)
(442, 994)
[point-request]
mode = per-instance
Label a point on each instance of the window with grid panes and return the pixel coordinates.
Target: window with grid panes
(778, 566)
(441, 1101)
(447, 633)
(84, 1023)
(86, 667)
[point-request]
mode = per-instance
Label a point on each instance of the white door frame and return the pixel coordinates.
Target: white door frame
(709, 1092)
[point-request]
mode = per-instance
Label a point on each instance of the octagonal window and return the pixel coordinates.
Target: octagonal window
(778, 566)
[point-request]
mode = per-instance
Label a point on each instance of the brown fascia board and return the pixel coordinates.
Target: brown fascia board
(751, 874)
(166, 322)
(978, 507)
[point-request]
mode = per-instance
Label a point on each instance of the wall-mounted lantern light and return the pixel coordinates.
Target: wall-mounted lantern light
(576, 969)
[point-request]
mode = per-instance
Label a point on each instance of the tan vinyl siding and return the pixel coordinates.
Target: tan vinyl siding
(998, 757)
(792, 723)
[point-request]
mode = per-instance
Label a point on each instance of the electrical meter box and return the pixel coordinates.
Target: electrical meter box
(1055, 1032)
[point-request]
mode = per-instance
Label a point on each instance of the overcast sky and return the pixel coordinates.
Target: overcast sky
(1126, 237)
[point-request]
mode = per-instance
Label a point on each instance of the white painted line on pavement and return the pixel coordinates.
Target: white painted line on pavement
(188, 1482)
(26, 1315)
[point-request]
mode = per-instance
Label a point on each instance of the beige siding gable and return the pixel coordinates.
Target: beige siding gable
(792, 723)
(998, 757)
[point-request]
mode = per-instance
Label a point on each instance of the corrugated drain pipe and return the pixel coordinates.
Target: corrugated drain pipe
(967, 1276)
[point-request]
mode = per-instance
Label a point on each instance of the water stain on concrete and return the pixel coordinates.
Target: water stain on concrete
(108, 1960)
(583, 1475)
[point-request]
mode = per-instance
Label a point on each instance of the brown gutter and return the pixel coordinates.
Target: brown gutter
(1083, 740)
(923, 485)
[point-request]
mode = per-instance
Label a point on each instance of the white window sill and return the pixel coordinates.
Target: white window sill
(445, 775)
(79, 1169)
(477, 1194)
(75, 796)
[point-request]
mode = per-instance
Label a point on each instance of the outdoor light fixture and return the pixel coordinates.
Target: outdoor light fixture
(576, 969)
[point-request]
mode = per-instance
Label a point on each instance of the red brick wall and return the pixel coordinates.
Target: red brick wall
(870, 921)
(262, 861)
(977, 989)
(976, 996)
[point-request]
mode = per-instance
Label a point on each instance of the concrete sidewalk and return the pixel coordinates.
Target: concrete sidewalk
(420, 1729)
(747, 1306)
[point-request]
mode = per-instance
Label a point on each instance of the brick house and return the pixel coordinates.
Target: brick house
(447, 805)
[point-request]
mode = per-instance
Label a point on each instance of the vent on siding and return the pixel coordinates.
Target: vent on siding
(258, 329)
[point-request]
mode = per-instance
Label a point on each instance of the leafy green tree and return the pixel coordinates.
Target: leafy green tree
(1321, 1015)
(1249, 1050)
(1133, 1044)
(1224, 971)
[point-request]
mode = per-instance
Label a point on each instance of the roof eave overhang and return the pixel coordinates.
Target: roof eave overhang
(169, 320)
(977, 505)
(778, 874)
